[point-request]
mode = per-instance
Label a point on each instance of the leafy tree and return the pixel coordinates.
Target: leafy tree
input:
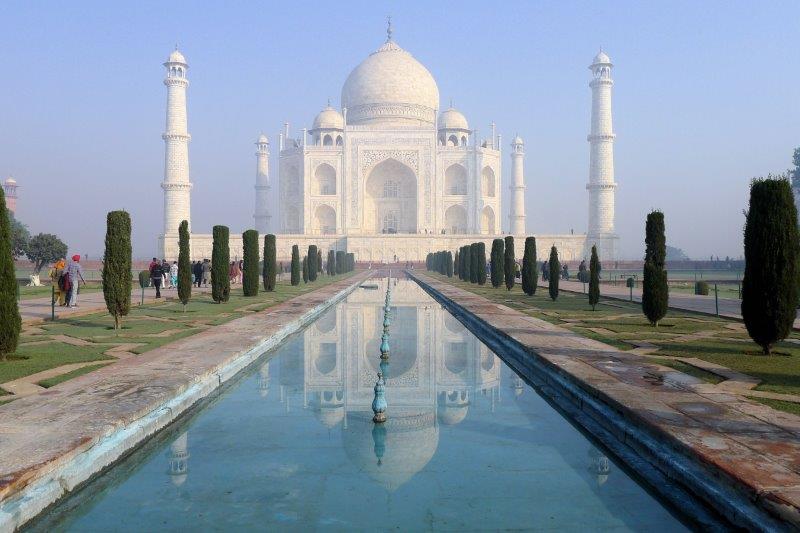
(510, 263)
(19, 237)
(220, 263)
(305, 269)
(312, 263)
(654, 284)
(771, 241)
(594, 278)
(795, 172)
(184, 265)
(10, 321)
(331, 263)
(44, 248)
(496, 258)
(296, 267)
(250, 263)
(529, 274)
(270, 270)
(554, 267)
(117, 265)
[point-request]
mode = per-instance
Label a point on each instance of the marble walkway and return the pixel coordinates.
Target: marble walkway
(54, 440)
(752, 448)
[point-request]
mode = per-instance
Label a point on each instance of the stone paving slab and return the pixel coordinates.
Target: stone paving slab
(741, 447)
(53, 441)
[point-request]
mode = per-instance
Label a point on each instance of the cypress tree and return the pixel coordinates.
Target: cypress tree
(184, 265)
(529, 263)
(270, 269)
(478, 268)
(594, 278)
(296, 267)
(305, 269)
(456, 265)
(312, 262)
(351, 262)
(220, 262)
(10, 321)
(468, 263)
(769, 286)
(340, 259)
(554, 267)
(117, 265)
(510, 263)
(496, 259)
(654, 285)
(250, 263)
(449, 263)
(331, 263)
(319, 261)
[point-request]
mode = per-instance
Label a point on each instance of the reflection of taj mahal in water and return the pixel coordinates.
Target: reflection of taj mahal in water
(438, 373)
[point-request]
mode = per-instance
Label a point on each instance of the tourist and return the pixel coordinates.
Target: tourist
(206, 272)
(233, 272)
(173, 274)
(74, 272)
(165, 269)
(197, 271)
(56, 274)
(157, 276)
(545, 271)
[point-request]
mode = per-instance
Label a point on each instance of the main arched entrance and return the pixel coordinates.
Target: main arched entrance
(390, 204)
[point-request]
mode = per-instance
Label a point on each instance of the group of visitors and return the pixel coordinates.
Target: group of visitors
(162, 274)
(235, 271)
(66, 279)
(201, 272)
(564, 274)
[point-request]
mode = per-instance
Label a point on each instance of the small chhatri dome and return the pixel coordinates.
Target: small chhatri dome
(10, 181)
(329, 118)
(390, 87)
(262, 139)
(517, 140)
(176, 57)
(452, 119)
(601, 57)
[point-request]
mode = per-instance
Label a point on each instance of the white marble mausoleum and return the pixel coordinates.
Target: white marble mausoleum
(390, 176)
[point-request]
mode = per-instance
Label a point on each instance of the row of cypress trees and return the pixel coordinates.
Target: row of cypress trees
(441, 262)
(308, 268)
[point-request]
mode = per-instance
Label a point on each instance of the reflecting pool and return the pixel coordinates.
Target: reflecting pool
(291, 445)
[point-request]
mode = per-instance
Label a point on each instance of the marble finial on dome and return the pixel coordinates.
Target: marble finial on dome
(389, 29)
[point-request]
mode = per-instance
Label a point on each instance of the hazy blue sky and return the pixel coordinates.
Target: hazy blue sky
(706, 97)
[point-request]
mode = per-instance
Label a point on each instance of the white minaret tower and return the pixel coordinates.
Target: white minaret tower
(517, 215)
(601, 184)
(262, 215)
(176, 183)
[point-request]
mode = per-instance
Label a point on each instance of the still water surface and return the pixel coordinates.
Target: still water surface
(291, 445)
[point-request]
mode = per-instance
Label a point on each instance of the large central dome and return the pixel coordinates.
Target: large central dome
(390, 87)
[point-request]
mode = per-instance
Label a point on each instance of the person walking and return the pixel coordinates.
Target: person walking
(197, 270)
(156, 276)
(75, 273)
(55, 278)
(206, 272)
(166, 279)
(173, 274)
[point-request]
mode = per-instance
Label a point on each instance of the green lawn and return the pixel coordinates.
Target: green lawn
(47, 383)
(150, 325)
(620, 323)
(29, 293)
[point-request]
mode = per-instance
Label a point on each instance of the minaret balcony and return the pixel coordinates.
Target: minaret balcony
(176, 137)
(607, 137)
(176, 186)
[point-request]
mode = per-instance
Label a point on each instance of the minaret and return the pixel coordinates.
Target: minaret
(10, 191)
(601, 184)
(517, 215)
(176, 183)
(262, 215)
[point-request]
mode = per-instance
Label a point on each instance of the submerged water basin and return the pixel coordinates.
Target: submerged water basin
(291, 445)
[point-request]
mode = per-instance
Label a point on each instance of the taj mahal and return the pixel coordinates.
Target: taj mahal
(391, 176)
